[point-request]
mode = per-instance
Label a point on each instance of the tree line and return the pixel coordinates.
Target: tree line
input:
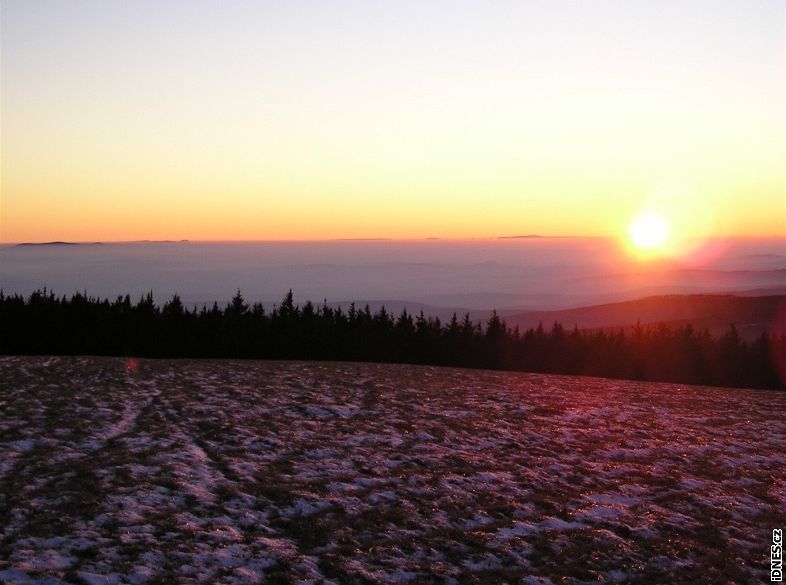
(43, 323)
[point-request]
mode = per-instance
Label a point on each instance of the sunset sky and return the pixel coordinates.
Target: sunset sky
(309, 120)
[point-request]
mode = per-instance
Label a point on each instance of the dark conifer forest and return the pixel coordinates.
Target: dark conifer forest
(81, 325)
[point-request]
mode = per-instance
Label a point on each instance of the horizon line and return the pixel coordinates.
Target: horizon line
(527, 237)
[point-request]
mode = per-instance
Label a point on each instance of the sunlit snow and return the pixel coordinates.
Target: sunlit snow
(245, 472)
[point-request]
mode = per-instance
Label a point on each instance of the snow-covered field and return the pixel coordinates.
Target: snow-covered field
(155, 471)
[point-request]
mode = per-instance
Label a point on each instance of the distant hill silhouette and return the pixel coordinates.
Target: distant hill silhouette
(50, 244)
(681, 281)
(62, 243)
(751, 315)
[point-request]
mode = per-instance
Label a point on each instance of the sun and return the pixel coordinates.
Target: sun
(649, 231)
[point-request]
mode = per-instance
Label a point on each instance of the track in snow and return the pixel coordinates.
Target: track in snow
(116, 471)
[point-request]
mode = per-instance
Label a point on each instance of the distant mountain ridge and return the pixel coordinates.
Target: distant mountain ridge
(57, 243)
(750, 314)
(63, 243)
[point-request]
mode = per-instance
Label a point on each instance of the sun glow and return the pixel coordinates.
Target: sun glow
(259, 122)
(649, 231)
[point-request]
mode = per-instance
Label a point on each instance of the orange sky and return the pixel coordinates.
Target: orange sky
(191, 120)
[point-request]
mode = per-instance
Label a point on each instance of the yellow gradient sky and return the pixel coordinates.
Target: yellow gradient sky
(311, 120)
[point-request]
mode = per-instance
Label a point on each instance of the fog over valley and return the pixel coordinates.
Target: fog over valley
(438, 276)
